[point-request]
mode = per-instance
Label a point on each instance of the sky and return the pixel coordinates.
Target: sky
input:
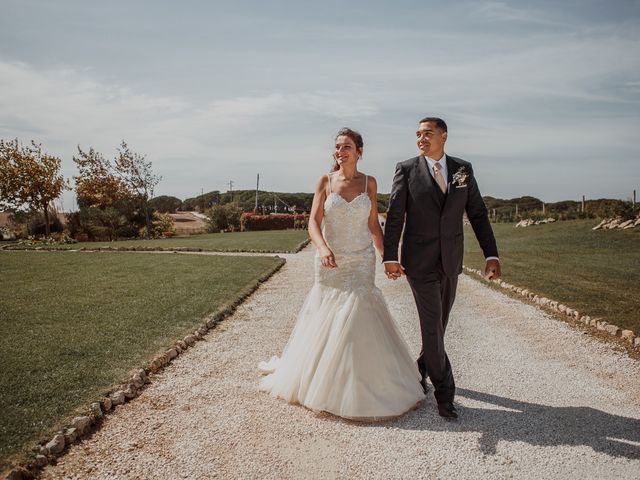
(543, 98)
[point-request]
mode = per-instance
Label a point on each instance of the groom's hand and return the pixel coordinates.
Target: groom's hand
(492, 270)
(393, 270)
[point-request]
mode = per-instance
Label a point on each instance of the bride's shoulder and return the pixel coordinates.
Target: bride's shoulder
(370, 178)
(371, 182)
(322, 182)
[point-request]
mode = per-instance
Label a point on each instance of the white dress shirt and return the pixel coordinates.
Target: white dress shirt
(443, 170)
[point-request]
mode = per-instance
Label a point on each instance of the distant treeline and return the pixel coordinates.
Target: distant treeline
(268, 202)
(515, 209)
(500, 210)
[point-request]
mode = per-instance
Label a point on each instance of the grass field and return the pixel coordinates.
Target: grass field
(268, 241)
(73, 324)
(595, 272)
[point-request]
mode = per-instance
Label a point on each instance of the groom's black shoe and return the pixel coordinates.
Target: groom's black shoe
(425, 387)
(447, 410)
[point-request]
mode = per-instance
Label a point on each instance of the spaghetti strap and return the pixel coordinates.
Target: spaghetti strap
(329, 177)
(366, 179)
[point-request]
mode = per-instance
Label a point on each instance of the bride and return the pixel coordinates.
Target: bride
(345, 354)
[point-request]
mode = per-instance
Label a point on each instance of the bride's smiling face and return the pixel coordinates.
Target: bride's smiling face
(346, 151)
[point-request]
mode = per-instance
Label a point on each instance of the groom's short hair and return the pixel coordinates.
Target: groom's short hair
(438, 121)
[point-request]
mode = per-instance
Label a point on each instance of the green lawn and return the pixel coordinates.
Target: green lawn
(595, 272)
(74, 324)
(267, 241)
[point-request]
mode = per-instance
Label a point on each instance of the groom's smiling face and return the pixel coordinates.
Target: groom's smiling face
(430, 140)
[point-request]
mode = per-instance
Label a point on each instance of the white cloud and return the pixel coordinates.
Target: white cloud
(66, 107)
(504, 12)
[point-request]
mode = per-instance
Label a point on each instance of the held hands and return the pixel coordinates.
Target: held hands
(327, 259)
(393, 270)
(492, 270)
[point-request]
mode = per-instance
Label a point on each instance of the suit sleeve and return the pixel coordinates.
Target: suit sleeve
(395, 215)
(479, 219)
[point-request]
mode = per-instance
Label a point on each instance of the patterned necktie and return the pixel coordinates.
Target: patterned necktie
(439, 180)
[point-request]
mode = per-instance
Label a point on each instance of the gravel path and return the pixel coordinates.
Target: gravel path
(537, 400)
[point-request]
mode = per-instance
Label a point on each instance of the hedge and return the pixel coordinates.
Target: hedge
(251, 222)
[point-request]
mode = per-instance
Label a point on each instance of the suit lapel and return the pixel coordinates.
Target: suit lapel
(429, 182)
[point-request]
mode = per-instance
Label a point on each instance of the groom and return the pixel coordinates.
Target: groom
(430, 194)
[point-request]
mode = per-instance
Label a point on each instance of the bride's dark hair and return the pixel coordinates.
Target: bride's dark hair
(353, 135)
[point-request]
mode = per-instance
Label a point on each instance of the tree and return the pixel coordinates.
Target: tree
(29, 177)
(202, 202)
(136, 173)
(125, 185)
(98, 184)
(165, 204)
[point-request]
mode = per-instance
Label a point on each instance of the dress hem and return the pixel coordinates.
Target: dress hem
(363, 419)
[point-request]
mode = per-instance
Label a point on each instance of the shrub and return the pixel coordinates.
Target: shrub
(629, 211)
(7, 234)
(128, 231)
(575, 215)
(161, 223)
(301, 221)
(100, 233)
(17, 226)
(36, 224)
(224, 217)
(110, 223)
(101, 224)
(74, 225)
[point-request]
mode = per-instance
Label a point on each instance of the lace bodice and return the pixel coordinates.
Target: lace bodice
(346, 224)
(346, 231)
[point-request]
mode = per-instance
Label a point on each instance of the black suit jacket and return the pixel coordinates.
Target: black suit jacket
(432, 221)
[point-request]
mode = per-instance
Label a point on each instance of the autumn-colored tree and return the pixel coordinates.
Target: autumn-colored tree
(98, 183)
(138, 176)
(125, 185)
(29, 178)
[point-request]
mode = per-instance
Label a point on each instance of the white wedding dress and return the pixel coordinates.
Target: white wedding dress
(345, 354)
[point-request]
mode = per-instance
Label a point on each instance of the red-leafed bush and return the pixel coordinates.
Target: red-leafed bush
(251, 222)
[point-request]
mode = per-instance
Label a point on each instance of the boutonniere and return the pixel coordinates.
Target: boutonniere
(461, 177)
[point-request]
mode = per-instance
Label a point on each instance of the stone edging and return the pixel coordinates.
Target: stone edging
(54, 248)
(598, 323)
(84, 425)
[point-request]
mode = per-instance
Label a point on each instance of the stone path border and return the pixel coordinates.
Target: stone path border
(597, 323)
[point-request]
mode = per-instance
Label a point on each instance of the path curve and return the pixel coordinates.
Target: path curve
(537, 399)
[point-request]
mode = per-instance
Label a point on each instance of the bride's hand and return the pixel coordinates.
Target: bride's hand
(327, 259)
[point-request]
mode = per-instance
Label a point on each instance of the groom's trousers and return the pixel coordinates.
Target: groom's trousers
(434, 295)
